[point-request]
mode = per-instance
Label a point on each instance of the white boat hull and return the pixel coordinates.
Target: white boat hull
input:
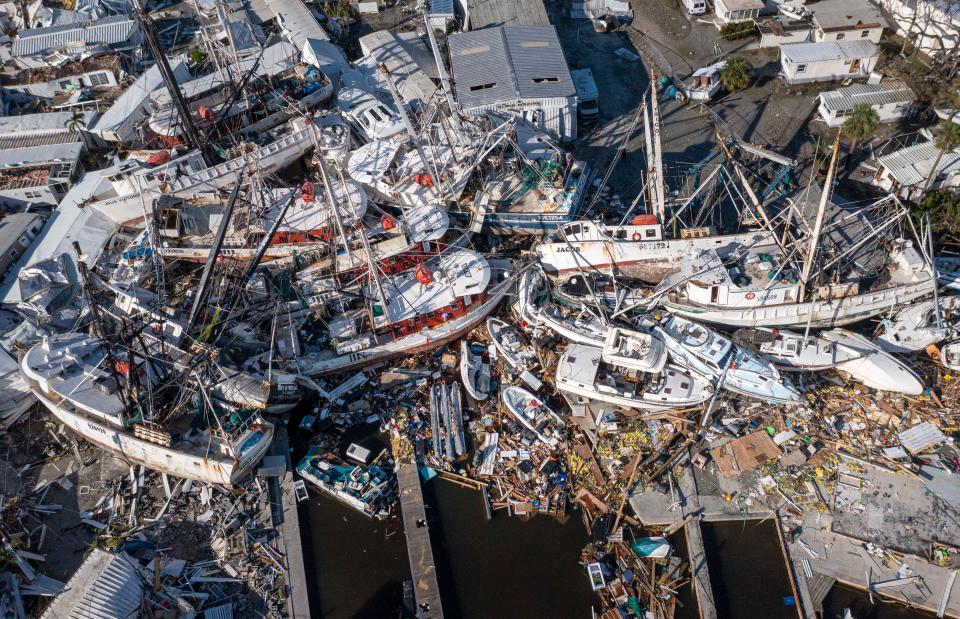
(875, 369)
(833, 313)
(157, 457)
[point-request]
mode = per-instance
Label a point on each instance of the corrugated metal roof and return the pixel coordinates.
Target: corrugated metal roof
(108, 31)
(911, 165)
(496, 65)
(298, 22)
(441, 7)
(106, 586)
(848, 97)
(921, 436)
(829, 50)
(486, 13)
(135, 96)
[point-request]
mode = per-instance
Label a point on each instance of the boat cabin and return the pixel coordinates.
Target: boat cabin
(759, 279)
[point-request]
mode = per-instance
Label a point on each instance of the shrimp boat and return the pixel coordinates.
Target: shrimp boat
(916, 326)
(475, 370)
(99, 391)
(737, 369)
(533, 414)
(510, 343)
(875, 367)
(639, 250)
(857, 263)
(583, 372)
(793, 351)
(413, 311)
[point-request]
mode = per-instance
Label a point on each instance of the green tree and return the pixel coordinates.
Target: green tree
(862, 123)
(76, 124)
(736, 74)
(948, 138)
(944, 208)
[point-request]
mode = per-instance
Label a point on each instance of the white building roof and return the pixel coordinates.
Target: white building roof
(485, 13)
(911, 165)
(831, 15)
(848, 97)
(503, 64)
(135, 97)
(829, 50)
(108, 31)
(47, 122)
(297, 22)
(105, 586)
(407, 60)
(39, 155)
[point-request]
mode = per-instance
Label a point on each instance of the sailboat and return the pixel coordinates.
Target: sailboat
(794, 351)
(916, 326)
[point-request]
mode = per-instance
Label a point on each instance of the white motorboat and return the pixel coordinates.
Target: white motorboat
(634, 350)
(582, 372)
(876, 368)
(950, 355)
(533, 414)
(915, 327)
(531, 291)
(371, 117)
(701, 349)
(475, 370)
(582, 327)
(705, 82)
(511, 344)
(792, 351)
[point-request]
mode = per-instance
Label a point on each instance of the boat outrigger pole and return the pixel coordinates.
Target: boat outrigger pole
(150, 39)
(818, 225)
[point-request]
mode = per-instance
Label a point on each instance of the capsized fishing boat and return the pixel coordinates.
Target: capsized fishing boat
(916, 326)
(533, 414)
(701, 349)
(475, 369)
(875, 368)
(793, 351)
(584, 373)
(510, 343)
(950, 355)
(100, 392)
(370, 489)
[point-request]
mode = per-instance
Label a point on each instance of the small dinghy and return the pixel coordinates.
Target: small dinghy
(511, 344)
(475, 370)
(531, 291)
(915, 327)
(950, 355)
(875, 368)
(580, 327)
(533, 414)
(793, 351)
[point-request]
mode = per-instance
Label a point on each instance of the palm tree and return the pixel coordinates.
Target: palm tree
(948, 140)
(736, 74)
(862, 122)
(76, 124)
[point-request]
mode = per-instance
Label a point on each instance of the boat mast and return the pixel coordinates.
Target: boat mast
(203, 289)
(401, 108)
(442, 71)
(656, 166)
(821, 210)
(150, 38)
(933, 267)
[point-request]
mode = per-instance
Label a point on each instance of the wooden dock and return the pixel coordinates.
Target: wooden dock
(419, 549)
(690, 505)
(285, 518)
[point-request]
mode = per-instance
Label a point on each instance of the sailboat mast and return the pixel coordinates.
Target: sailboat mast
(442, 71)
(818, 225)
(657, 164)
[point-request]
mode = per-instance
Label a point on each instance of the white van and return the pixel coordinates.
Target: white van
(695, 7)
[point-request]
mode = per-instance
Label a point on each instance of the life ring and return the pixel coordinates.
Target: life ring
(636, 236)
(750, 296)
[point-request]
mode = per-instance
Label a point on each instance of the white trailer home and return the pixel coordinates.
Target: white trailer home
(892, 100)
(827, 61)
(519, 70)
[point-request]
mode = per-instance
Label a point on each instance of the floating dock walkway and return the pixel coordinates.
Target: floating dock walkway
(419, 549)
